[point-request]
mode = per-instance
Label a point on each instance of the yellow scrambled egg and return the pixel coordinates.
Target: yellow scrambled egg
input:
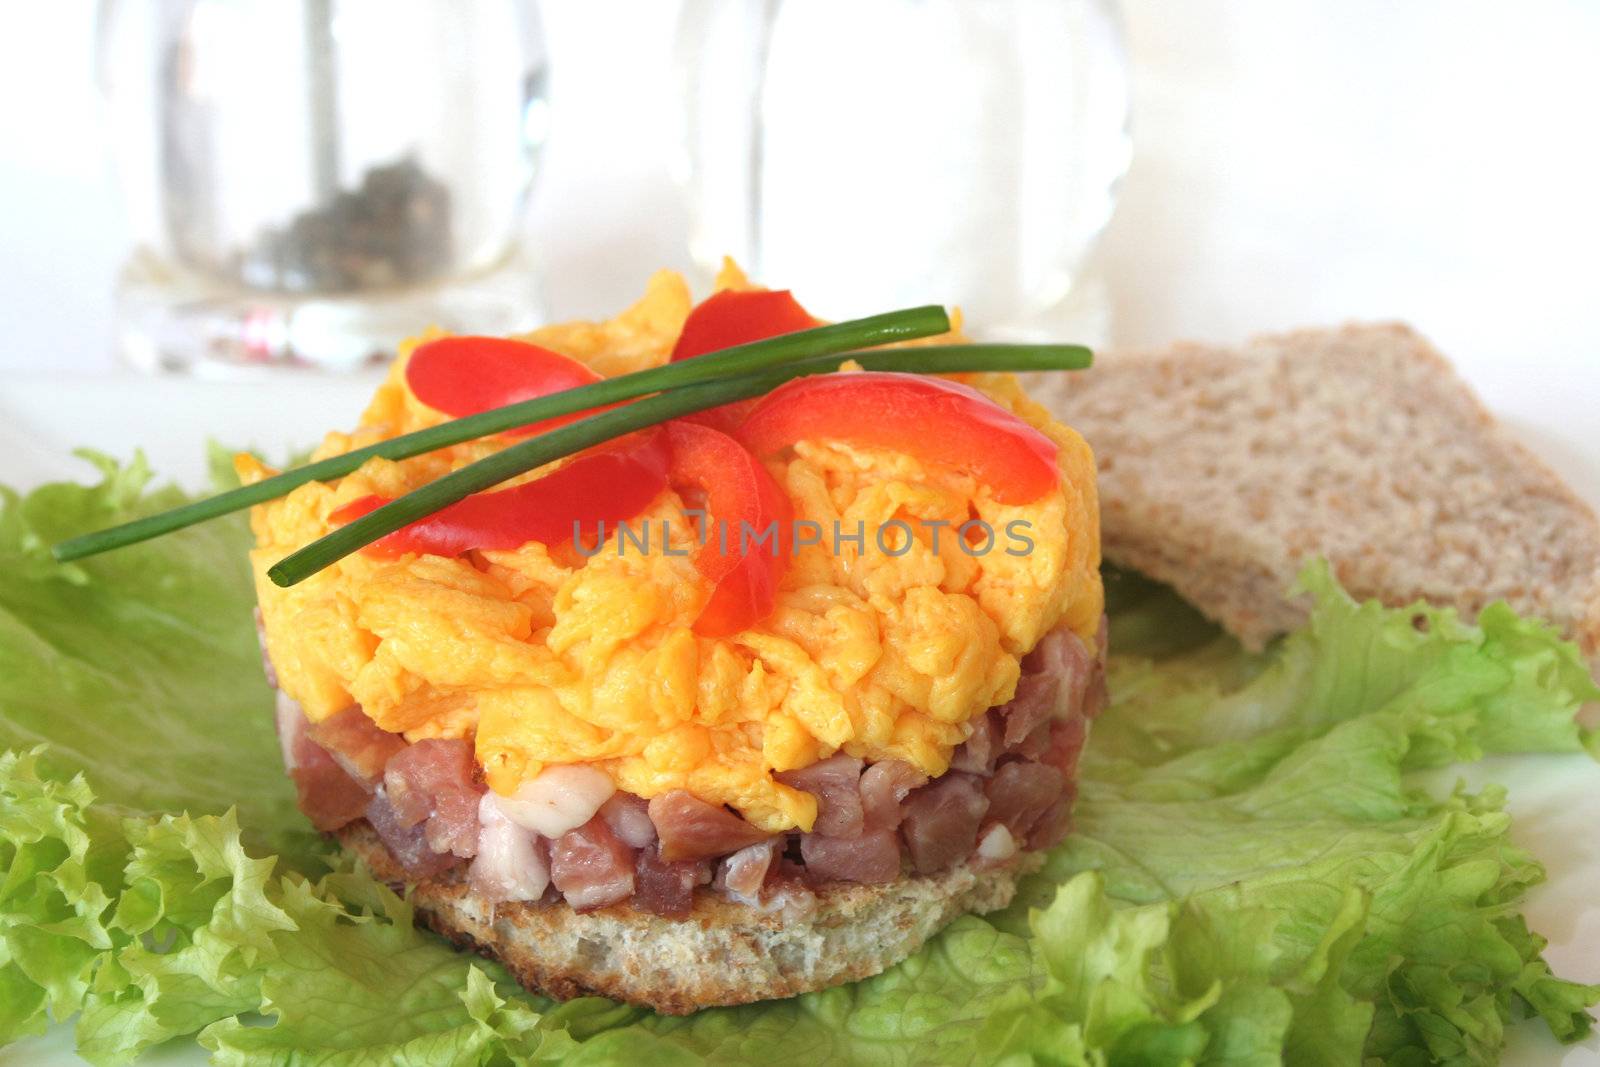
(548, 657)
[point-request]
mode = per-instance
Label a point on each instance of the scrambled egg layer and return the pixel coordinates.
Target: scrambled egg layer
(548, 657)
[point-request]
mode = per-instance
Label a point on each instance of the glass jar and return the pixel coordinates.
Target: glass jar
(310, 181)
(880, 153)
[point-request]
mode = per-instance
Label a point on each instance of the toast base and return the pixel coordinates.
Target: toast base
(723, 953)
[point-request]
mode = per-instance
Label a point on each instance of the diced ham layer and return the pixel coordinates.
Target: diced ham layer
(513, 862)
(328, 796)
(941, 821)
(1020, 793)
(408, 844)
(433, 782)
(743, 874)
(883, 786)
(836, 783)
(666, 887)
(591, 867)
(629, 818)
(691, 829)
(1010, 786)
(872, 857)
(359, 744)
(983, 746)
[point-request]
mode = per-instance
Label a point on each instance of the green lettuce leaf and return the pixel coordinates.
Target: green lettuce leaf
(62, 863)
(136, 666)
(1256, 876)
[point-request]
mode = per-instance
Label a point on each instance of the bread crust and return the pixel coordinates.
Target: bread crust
(1222, 470)
(723, 953)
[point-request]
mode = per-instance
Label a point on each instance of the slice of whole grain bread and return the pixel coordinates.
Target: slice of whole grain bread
(1222, 470)
(722, 953)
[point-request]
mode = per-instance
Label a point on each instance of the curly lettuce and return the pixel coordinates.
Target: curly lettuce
(1257, 876)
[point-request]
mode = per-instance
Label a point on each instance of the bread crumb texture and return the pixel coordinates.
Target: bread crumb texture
(1223, 470)
(723, 953)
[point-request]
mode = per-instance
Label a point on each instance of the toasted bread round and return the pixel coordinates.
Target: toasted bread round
(722, 953)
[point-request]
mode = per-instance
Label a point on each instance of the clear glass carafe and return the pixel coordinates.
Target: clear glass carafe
(879, 153)
(309, 181)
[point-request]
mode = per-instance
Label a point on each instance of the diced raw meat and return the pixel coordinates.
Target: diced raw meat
(591, 867)
(1056, 678)
(560, 799)
(691, 829)
(664, 887)
(629, 818)
(835, 782)
(1054, 825)
(453, 826)
(1033, 705)
(1020, 793)
(407, 844)
(872, 858)
(742, 875)
(941, 821)
(433, 781)
(512, 862)
(327, 796)
(291, 725)
(978, 753)
(1067, 737)
(787, 896)
(883, 786)
(360, 746)
(1037, 744)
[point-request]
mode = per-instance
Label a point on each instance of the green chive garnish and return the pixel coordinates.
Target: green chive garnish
(596, 429)
(904, 325)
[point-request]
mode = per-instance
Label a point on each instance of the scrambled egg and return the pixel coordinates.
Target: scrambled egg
(548, 657)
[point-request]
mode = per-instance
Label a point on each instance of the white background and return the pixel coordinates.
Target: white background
(1296, 163)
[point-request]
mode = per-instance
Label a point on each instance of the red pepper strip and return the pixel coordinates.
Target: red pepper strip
(609, 484)
(742, 560)
(465, 375)
(737, 317)
(933, 419)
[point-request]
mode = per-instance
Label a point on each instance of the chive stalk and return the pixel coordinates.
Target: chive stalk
(904, 325)
(596, 429)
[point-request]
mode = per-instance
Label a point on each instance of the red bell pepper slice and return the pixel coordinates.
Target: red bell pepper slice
(933, 419)
(745, 548)
(465, 375)
(737, 317)
(608, 484)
